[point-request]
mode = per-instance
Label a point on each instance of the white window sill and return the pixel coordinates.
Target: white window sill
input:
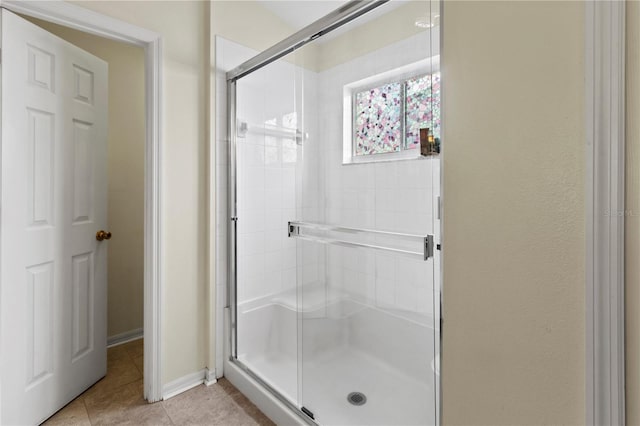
(386, 158)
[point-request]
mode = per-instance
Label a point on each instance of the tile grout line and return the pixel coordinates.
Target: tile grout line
(166, 412)
(86, 410)
(142, 374)
(117, 388)
(232, 405)
(127, 359)
(133, 360)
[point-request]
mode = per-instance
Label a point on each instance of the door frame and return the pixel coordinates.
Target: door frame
(88, 21)
(605, 212)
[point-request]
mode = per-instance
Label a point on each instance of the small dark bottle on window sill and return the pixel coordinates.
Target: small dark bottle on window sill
(428, 144)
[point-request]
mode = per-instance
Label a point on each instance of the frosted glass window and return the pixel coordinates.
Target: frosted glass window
(422, 108)
(378, 124)
(388, 118)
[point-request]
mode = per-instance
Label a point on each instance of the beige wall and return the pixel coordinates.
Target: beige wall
(247, 23)
(126, 174)
(183, 25)
(632, 220)
(514, 226)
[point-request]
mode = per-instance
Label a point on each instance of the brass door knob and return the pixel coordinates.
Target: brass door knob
(103, 235)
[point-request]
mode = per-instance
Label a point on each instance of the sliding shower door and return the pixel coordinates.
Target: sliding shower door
(268, 162)
(368, 302)
(335, 185)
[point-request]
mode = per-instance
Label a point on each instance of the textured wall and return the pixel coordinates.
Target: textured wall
(514, 226)
(632, 218)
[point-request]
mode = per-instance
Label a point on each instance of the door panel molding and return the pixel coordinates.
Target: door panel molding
(78, 18)
(605, 212)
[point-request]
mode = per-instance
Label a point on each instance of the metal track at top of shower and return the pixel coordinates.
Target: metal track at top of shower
(322, 26)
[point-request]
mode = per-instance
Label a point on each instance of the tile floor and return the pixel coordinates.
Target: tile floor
(117, 400)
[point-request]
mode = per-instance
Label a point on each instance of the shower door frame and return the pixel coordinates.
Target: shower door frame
(341, 16)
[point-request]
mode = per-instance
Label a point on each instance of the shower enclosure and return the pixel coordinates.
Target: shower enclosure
(333, 298)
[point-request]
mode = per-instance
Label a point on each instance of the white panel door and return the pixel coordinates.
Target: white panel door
(53, 271)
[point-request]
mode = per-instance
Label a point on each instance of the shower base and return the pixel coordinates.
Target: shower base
(347, 347)
(392, 397)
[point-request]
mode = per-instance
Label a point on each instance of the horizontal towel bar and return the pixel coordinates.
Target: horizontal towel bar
(325, 227)
(275, 131)
(426, 240)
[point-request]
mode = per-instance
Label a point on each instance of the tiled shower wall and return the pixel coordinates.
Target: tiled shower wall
(280, 182)
(395, 195)
(278, 179)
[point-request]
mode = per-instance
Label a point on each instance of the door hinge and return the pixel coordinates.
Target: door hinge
(438, 209)
(428, 247)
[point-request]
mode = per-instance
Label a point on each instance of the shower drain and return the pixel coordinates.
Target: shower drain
(356, 398)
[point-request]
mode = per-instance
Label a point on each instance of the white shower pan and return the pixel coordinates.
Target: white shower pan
(347, 346)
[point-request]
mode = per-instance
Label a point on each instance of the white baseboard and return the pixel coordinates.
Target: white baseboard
(183, 384)
(210, 377)
(125, 337)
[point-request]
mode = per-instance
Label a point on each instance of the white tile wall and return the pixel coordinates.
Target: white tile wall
(271, 175)
(397, 196)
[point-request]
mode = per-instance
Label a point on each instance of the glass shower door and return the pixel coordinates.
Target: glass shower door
(335, 228)
(266, 167)
(367, 354)
(367, 225)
